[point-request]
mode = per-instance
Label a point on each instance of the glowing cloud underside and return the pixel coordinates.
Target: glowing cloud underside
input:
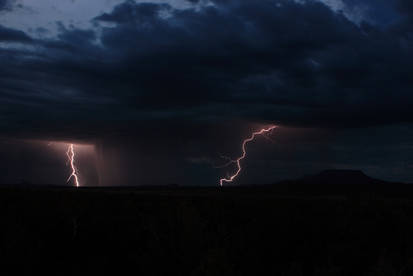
(71, 155)
(244, 154)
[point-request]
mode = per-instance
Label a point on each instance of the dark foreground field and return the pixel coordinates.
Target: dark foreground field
(306, 227)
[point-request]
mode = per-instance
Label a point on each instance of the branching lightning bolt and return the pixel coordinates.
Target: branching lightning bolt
(244, 154)
(71, 155)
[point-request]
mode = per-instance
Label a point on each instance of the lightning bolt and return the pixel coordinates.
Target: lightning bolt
(71, 155)
(244, 154)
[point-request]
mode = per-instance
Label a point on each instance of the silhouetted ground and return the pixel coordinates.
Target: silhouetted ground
(336, 223)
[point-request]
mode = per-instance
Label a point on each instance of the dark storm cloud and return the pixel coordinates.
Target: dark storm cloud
(262, 61)
(3, 4)
(282, 61)
(6, 4)
(11, 35)
(131, 12)
(406, 6)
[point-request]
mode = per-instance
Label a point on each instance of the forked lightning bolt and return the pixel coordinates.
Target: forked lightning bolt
(71, 155)
(244, 154)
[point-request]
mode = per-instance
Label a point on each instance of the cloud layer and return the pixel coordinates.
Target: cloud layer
(150, 67)
(289, 62)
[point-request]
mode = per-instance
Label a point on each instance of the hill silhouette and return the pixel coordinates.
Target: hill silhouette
(342, 182)
(341, 177)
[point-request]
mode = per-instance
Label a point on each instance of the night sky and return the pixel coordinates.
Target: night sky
(154, 92)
